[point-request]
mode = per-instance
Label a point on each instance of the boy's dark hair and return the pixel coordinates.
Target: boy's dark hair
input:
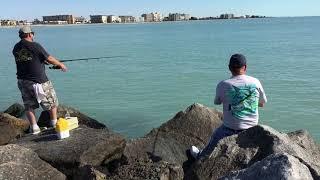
(237, 61)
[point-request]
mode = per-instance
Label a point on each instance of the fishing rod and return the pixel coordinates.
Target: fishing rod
(84, 59)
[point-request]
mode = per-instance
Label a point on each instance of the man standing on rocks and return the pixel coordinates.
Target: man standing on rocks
(241, 95)
(33, 82)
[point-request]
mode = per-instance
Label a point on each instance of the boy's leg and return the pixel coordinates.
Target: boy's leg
(218, 134)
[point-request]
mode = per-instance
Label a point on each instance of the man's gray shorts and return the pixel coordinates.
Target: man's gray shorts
(29, 97)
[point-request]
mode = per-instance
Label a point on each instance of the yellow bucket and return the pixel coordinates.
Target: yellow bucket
(62, 125)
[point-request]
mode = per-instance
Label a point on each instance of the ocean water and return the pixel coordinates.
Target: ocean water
(168, 66)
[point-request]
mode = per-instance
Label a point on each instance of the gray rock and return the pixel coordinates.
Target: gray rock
(16, 110)
(8, 133)
(11, 128)
(170, 141)
(241, 151)
(85, 146)
(274, 167)
(141, 169)
(44, 119)
(88, 172)
(305, 141)
(19, 124)
(17, 162)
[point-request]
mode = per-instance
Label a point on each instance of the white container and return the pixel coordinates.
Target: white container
(63, 134)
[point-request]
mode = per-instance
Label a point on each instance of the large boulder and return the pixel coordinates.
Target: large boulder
(8, 133)
(243, 150)
(44, 119)
(161, 154)
(19, 124)
(169, 142)
(274, 167)
(85, 146)
(11, 128)
(306, 142)
(17, 162)
(16, 110)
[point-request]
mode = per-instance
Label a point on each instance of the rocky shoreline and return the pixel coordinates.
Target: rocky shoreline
(94, 151)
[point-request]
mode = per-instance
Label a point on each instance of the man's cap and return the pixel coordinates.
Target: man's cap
(25, 30)
(237, 61)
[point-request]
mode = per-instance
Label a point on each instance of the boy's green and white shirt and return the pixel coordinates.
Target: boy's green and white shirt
(240, 96)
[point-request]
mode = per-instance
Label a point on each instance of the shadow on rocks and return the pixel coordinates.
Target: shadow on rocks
(44, 119)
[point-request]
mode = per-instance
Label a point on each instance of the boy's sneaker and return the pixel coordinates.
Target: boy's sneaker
(194, 151)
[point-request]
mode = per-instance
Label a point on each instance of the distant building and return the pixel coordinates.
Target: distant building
(152, 17)
(56, 22)
(165, 19)
(226, 16)
(140, 19)
(37, 21)
(99, 19)
(156, 17)
(186, 17)
(22, 23)
(147, 17)
(8, 22)
(80, 20)
(209, 18)
(114, 19)
(179, 17)
(174, 17)
(59, 19)
(127, 19)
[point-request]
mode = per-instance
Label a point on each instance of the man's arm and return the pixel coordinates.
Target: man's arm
(55, 62)
(262, 96)
(217, 99)
(50, 59)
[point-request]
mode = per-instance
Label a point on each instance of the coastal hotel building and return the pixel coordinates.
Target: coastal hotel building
(111, 19)
(59, 19)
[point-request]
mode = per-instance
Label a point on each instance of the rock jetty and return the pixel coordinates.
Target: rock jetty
(95, 152)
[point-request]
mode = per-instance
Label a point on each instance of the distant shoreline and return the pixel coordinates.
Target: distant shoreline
(58, 25)
(134, 23)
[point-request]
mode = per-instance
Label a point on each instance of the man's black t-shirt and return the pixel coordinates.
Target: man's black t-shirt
(30, 59)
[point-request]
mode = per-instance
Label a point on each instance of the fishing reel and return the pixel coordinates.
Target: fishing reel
(52, 67)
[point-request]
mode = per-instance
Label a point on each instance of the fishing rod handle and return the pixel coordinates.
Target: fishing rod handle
(55, 67)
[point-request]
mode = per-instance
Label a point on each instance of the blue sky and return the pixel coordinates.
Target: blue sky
(18, 9)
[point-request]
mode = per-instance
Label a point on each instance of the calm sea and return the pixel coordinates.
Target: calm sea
(168, 66)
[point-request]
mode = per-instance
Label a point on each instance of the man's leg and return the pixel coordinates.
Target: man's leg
(50, 102)
(30, 103)
(33, 122)
(31, 116)
(53, 116)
